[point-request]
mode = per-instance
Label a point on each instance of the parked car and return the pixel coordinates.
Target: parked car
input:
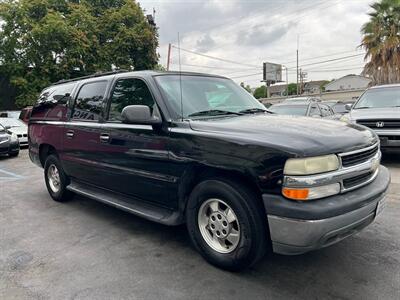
(8, 143)
(25, 114)
(307, 109)
(17, 127)
(379, 109)
(339, 106)
(302, 99)
(198, 149)
(10, 114)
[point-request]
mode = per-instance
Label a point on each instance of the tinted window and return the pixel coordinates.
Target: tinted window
(89, 102)
(129, 92)
(297, 110)
(56, 93)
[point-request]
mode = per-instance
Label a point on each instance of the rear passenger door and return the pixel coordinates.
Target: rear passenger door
(137, 158)
(82, 146)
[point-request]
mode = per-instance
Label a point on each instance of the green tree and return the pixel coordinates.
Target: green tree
(260, 92)
(381, 40)
(43, 41)
(292, 88)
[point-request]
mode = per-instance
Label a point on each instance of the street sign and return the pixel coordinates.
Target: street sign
(272, 72)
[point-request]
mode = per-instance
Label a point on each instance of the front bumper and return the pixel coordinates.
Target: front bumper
(389, 138)
(300, 226)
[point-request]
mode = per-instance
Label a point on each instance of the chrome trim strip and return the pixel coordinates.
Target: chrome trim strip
(359, 150)
(95, 124)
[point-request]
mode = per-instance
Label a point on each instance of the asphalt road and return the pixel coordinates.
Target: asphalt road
(86, 250)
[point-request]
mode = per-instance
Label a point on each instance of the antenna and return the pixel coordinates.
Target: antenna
(180, 74)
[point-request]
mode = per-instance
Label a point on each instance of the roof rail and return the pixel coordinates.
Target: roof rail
(98, 74)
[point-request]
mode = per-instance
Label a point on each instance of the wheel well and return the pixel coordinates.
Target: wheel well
(199, 174)
(44, 151)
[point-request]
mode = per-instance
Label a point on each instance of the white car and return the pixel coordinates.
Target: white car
(17, 127)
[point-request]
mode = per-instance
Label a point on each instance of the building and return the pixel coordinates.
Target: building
(278, 90)
(348, 82)
(314, 87)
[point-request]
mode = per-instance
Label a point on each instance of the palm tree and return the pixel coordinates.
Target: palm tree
(381, 40)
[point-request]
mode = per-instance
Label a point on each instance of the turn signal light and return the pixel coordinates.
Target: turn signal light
(296, 194)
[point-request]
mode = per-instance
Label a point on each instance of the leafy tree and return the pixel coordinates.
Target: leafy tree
(381, 40)
(246, 87)
(292, 88)
(43, 41)
(260, 92)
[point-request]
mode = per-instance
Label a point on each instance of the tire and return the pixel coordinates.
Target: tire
(250, 225)
(56, 188)
(13, 154)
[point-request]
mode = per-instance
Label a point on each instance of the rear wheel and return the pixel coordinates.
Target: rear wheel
(56, 180)
(227, 224)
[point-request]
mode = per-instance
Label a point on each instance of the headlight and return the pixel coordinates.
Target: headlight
(312, 165)
(13, 137)
(346, 118)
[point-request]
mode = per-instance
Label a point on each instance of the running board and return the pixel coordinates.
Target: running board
(139, 208)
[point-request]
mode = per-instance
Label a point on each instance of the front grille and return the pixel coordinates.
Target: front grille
(390, 137)
(359, 157)
(380, 124)
(19, 135)
(357, 180)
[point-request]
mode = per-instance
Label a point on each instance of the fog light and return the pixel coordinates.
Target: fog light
(312, 192)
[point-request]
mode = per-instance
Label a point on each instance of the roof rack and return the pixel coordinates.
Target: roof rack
(98, 74)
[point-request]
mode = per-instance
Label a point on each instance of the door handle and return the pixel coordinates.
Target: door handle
(104, 137)
(70, 134)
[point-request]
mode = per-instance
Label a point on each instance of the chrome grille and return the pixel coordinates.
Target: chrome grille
(357, 180)
(359, 156)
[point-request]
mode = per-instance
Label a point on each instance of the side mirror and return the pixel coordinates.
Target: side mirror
(348, 106)
(139, 114)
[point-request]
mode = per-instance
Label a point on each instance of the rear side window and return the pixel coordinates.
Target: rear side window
(130, 91)
(56, 93)
(89, 102)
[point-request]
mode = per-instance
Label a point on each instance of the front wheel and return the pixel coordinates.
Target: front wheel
(56, 179)
(227, 224)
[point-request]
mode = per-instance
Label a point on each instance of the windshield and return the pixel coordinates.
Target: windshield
(380, 98)
(297, 110)
(209, 95)
(10, 122)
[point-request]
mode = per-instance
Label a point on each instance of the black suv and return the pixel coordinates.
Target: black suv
(198, 149)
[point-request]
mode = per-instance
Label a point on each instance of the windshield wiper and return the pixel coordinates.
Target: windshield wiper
(254, 110)
(214, 112)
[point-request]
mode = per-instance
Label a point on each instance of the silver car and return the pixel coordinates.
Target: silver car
(379, 109)
(16, 127)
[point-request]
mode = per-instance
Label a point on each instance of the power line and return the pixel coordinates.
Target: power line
(216, 58)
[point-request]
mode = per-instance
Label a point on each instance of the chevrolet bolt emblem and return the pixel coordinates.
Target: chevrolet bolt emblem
(380, 124)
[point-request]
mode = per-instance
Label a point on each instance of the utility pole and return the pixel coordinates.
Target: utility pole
(297, 66)
(168, 56)
(297, 72)
(287, 83)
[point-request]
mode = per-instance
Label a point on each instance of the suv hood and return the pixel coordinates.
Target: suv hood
(299, 136)
(19, 130)
(375, 113)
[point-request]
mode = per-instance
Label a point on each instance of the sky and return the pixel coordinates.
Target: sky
(234, 37)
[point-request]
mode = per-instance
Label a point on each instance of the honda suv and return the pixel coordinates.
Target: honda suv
(191, 148)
